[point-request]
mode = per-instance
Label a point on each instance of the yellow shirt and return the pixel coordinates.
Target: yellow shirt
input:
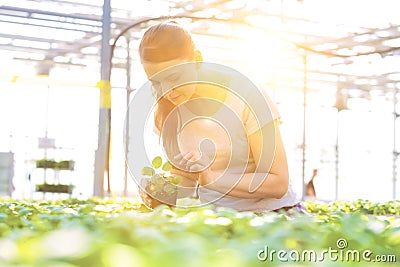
(223, 138)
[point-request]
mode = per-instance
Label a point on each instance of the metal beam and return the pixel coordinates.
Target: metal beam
(87, 17)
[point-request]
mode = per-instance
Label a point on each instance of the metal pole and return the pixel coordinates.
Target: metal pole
(46, 131)
(337, 156)
(396, 116)
(102, 152)
(304, 124)
(339, 106)
(128, 93)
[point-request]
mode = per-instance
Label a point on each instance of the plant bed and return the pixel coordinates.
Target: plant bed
(65, 165)
(361, 205)
(115, 232)
(46, 163)
(54, 188)
(52, 164)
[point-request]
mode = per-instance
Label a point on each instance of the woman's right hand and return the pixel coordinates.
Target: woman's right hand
(147, 200)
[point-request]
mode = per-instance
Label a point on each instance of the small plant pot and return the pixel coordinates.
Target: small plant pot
(159, 185)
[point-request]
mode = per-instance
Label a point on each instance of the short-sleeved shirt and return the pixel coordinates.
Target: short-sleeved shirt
(240, 115)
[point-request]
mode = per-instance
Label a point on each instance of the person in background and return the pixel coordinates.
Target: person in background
(310, 189)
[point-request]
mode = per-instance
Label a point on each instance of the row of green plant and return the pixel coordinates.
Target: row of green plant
(361, 205)
(52, 164)
(113, 232)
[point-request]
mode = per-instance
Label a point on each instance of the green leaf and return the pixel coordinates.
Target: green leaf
(167, 166)
(176, 180)
(157, 161)
(148, 171)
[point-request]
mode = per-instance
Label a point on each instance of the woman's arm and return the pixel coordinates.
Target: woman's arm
(271, 178)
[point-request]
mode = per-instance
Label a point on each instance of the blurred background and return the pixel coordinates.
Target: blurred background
(332, 67)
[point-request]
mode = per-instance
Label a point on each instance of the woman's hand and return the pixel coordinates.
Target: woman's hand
(194, 167)
(148, 201)
(192, 162)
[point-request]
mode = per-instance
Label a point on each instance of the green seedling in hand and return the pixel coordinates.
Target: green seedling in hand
(161, 184)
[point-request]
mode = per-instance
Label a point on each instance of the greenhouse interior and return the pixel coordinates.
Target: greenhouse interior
(69, 74)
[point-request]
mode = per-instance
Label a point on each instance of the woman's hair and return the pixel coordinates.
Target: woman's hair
(166, 41)
(163, 42)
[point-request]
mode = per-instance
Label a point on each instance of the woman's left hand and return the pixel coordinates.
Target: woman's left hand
(192, 161)
(193, 164)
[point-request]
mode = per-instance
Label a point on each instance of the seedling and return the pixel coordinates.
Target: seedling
(160, 184)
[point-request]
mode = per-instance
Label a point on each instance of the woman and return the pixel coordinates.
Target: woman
(211, 133)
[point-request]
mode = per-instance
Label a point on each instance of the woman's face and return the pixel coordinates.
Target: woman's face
(171, 78)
